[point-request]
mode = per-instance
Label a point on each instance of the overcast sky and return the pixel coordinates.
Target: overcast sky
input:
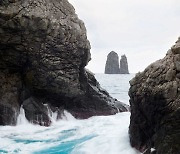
(142, 29)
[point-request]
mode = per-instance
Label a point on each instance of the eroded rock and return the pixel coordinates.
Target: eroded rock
(155, 106)
(43, 51)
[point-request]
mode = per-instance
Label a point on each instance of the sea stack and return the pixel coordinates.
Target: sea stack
(43, 54)
(124, 65)
(112, 63)
(155, 106)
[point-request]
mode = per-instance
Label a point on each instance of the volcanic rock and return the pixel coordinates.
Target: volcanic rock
(43, 52)
(124, 65)
(155, 106)
(112, 63)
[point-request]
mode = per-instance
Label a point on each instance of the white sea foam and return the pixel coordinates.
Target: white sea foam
(52, 115)
(96, 135)
(111, 136)
(102, 134)
(21, 120)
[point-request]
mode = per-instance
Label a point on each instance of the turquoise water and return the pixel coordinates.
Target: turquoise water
(96, 135)
(65, 147)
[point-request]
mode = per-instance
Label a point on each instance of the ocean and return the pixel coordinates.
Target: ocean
(96, 135)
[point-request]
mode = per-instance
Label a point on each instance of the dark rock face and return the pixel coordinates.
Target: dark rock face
(10, 87)
(112, 63)
(124, 65)
(155, 106)
(43, 52)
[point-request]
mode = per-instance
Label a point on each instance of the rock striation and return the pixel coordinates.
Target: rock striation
(112, 63)
(155, 106)
(43, 52)
(124, 65)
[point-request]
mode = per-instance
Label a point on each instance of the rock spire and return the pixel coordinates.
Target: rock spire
(112, 64)
(124, 65)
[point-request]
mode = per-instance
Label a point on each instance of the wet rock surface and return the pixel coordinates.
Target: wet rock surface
(43, 52)
(112, 63)
(155, 106)
(124, 65)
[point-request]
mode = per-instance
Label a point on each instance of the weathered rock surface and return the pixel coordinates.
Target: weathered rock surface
(155, 106)
(43, 52)
(112, 63)
(124, 65)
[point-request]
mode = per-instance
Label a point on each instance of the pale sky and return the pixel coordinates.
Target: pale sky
(142, 29)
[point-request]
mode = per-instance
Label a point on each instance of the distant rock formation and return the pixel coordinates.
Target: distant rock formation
(43, 54)
(155, 106)
(124, 65)
(112, 63)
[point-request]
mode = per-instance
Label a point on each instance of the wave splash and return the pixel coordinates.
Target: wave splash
(96, 135)
(21, 119)
(102, 134)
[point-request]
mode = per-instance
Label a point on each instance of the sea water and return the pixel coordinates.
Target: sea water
(96, 135)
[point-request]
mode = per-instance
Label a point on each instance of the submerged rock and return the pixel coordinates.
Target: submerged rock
(124, 65)
(112, 63)
(43, 52)
(155, 106)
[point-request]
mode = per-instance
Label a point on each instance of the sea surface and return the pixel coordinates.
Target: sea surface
(96, 135)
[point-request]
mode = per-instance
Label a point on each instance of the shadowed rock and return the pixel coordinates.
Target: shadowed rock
(112, 63)
(124, 65)
(43, 52)
(155, 106)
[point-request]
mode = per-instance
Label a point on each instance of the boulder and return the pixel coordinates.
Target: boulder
(43, 54)
(124, 65)
(112, 63)
(155, 106)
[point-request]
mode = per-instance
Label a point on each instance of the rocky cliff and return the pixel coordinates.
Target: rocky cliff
(155, 106)
(112, 63)
(124, 65)
(43, 52)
